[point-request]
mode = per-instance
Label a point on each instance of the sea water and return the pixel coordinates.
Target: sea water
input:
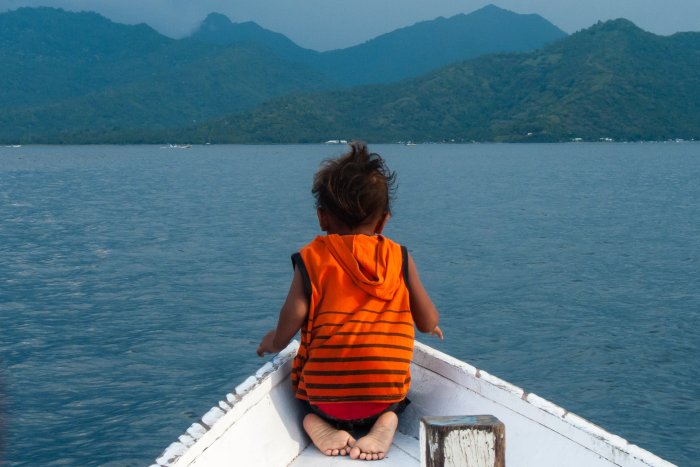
(136, 282)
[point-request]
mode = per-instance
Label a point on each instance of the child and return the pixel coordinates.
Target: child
(355, 296)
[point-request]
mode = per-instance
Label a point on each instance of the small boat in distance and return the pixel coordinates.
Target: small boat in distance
(336, 141)
(259, 422)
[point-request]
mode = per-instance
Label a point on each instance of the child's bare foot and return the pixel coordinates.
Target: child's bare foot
(377, 442)
(327, 439)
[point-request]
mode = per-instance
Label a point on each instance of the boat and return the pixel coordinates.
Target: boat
(336, 141)
(259, 422)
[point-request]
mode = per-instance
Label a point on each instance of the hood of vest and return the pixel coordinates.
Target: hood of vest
(371, 261)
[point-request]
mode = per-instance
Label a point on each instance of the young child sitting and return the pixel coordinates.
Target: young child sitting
(356, 297)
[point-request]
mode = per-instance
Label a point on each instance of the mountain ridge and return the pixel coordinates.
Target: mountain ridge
(219, 29)
(612, 80)
(80, 73)
(75, 72)
(414, 49)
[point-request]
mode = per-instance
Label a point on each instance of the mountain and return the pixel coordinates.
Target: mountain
(425, 46)
(404, 53)
(219, 29)
(79, 72)
(78, 77)
(74, 76)
(612, 80)
(50, 54)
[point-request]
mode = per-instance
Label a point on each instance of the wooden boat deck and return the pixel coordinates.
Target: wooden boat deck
(404, 452)
(259, 422)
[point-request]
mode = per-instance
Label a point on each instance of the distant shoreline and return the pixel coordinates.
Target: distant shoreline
(455, 143)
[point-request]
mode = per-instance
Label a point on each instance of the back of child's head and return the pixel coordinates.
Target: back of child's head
(356, 188)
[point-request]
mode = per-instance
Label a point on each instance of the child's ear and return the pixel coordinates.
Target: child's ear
(322, 219)
(382, 223)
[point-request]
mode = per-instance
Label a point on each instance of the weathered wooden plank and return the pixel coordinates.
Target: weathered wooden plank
(462, 441)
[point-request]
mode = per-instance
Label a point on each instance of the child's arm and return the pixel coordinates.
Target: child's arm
(292, 316)
(425, 315)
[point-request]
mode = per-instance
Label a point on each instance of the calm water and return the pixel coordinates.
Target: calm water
(135, 282)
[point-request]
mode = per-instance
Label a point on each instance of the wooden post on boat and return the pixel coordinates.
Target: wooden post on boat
(462, 441)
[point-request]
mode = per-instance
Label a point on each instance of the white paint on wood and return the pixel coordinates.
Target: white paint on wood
(223, 405)
(186, 440)
(545, 405)
(171, 453)
(501, 384)
(460, 441)
(403, 453)
(469, 448)
(246, 385)
(212, 416)
(265, 369)
(265, 419)
(196, 430)
(538, 433)
(257, 429)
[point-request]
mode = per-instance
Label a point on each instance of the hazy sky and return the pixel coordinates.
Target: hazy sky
(329, 24)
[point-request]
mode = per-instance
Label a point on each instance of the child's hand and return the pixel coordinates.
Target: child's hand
(437, 332)
(267, 344)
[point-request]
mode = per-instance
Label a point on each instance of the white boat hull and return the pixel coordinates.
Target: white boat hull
(260, 422)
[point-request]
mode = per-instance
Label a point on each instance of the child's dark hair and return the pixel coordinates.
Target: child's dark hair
(356, 187)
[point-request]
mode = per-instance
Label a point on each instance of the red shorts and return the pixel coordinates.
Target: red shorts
(352, 415)
(353, 410)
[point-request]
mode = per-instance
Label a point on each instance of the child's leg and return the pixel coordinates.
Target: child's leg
(327, 439)
(377, 442)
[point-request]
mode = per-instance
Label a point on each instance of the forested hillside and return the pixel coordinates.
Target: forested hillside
(612, 80)
(69, 73)
(80, 78)
(404, 53)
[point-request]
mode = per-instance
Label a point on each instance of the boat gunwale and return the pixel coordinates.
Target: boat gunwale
(506, 394)
(202, 434)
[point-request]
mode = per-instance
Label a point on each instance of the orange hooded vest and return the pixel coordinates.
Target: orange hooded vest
(357, 341)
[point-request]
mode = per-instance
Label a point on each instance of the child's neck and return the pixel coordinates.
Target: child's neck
(356, 231)
(331, 225)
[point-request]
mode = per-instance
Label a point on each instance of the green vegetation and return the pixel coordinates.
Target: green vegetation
(78, 74)
(405, 53)
(612, 80)
(426, 46)
(79, 78)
